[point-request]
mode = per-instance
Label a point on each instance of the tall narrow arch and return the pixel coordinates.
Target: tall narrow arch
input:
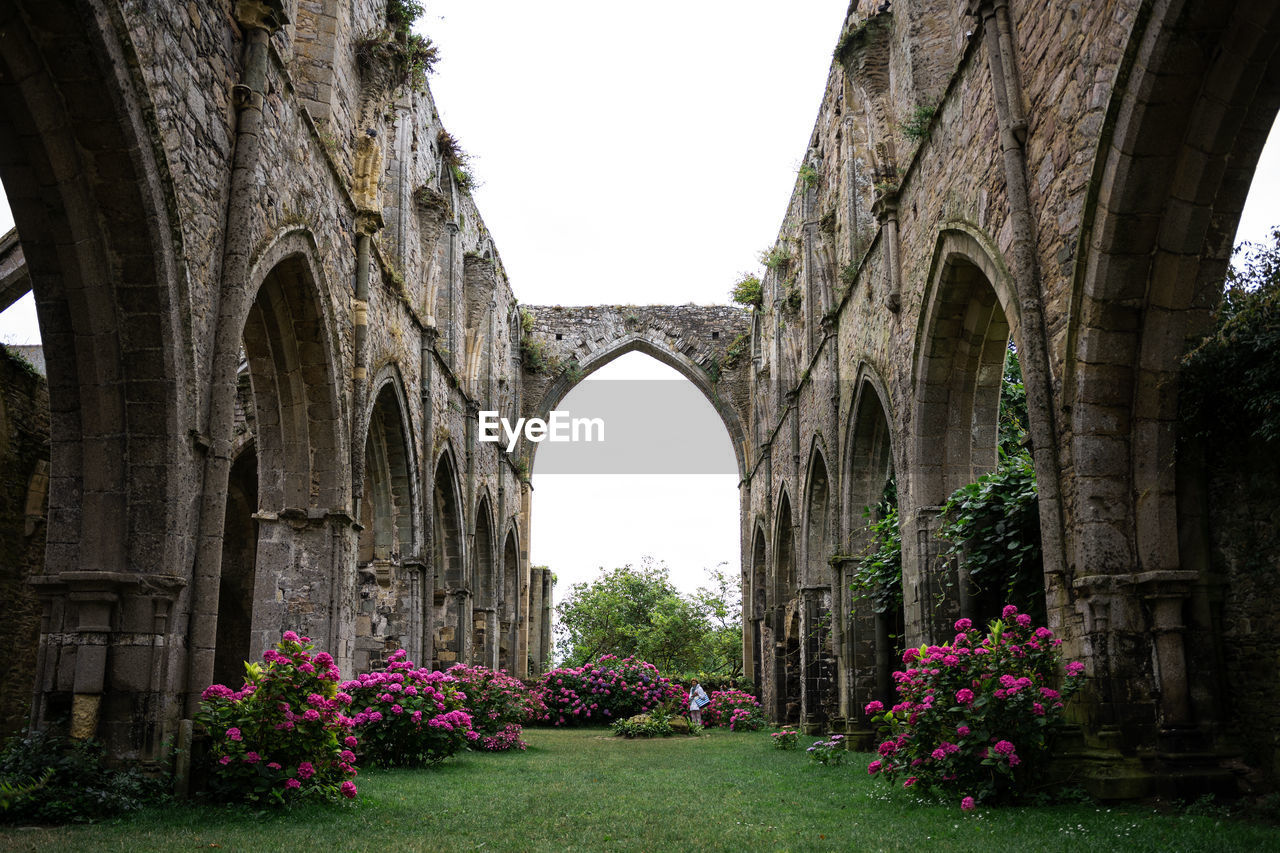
(784, 553)
(510, 605)
(452, 602)
(389, 591)
(387, 508)
(818, 526)
(301, 442)
(297, 405)
(961, 344)
(758, 598)
(484, 570)
(872, 635)
(239, 558)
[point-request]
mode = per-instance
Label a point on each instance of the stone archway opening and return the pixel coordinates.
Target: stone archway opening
(875, 626)
(298, 439)
(509, 607)
(389, 591)
(967, 388)
(663, 484)
(239, 559)
(484, 569)
(451, 614)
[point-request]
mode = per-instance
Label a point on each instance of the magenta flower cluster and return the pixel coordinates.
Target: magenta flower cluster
(733, 709)
(498, 704)
(284, 735)
(974, 715)
(610, 689)
(407, 716)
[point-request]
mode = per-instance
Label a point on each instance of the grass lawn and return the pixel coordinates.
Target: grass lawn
(585, 790)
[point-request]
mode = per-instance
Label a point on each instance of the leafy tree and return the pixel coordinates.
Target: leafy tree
(1230, 383)
(635, 611)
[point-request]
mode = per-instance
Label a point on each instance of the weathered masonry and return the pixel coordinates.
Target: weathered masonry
(271, 313)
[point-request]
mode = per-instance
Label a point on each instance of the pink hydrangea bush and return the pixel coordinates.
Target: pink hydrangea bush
(735, 710)
(409, 717)
(975, 714)
(498, 704)
(610, 689)
(283, 736)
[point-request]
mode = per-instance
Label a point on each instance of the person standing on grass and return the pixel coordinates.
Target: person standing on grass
(698, 700)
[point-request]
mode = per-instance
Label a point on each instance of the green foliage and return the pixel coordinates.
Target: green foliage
(283, 736)
(657, 723)
(402, 13)
(794, 299)
(776, 259)
(736, 351)
(637, 612)
(830, 752)
(747, 291)
(849, 274)
(410, 58)
(878, 576)
(576, 789)
(533, 354)
(788, 738)
(1230, 383)
(974, 716)
(411, 717)
(993, 527)
(1013, 405)
(456, 160)
(47, 778)
(808, 176)
(526, 321)
(917, 126)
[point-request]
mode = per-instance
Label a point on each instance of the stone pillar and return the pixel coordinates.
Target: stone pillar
(546, 619)
(106, 658)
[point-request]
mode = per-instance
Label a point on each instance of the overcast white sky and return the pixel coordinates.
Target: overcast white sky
(637, 154)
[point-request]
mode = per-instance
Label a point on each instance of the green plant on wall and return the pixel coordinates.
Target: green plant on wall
(916, 127)
(808, 176)
(776, 259)
(794, 298)
(747, 291)
(736, 351)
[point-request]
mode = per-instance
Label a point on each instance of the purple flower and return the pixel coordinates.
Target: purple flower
(234, 734)
(874, 707)
(967, 804)
(964, 624)
(292, 783)
(348, 789)
(964, 695)
(1009, 612)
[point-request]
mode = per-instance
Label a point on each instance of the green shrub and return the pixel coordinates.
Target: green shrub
(282, 737)
(409, 717)
(975, 714)
(653, 724)
(48, 778)
(747, 291)
(917, 126)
